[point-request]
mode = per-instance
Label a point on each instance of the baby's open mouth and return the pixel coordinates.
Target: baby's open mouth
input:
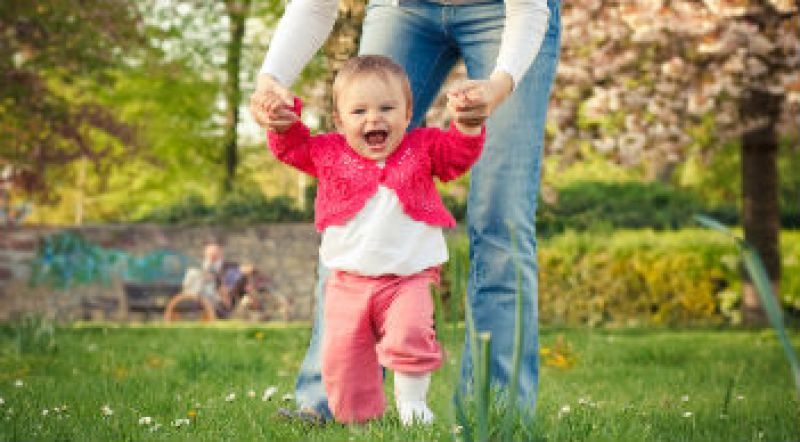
(376, 137)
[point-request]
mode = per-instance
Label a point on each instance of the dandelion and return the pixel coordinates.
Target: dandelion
(155, 361)
(739, 397)
(192, 413)
(45, 412)
(268, 393)
(251, 393)
(457, 429)
(287, 397)
(2, 401)
(19, 384)
(106, 410)
(145, 420)
(230, 397)
(685, 398)
(564, 411)
(687, 414)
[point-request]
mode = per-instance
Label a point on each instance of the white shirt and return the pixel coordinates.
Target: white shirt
(306, 24)
(382, 240)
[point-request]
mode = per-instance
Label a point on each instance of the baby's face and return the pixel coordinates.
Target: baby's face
(373, 114)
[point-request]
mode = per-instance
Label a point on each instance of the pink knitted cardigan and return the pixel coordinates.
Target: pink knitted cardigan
(346, 180)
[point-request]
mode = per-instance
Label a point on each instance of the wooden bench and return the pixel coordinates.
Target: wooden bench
(149, 297)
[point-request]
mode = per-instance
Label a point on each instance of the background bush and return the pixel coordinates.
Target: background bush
(643, 277)
(602, 205)
(582, 205)
(248, 206)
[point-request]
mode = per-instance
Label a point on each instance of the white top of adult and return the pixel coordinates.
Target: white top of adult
(382, 240)
(525, 26)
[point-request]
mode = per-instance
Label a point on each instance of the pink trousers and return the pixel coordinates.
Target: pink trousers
(371, 322)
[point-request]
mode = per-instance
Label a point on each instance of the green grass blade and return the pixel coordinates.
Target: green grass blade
(758, 274)
(482, 387)
(440, 320)
(714, 224)
(461, 416)
(516, 357)
(769, 301)
(472, 337)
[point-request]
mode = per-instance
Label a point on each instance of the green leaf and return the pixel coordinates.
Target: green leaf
(758, 274)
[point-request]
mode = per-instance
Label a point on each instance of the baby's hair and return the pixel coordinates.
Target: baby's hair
(383, 67)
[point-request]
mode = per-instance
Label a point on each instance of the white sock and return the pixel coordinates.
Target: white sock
(410, 393)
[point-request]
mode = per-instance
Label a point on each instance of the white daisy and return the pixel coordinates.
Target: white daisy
(180, 422)
(268, 393)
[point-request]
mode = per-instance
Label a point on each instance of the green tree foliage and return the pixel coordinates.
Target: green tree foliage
(48, 50)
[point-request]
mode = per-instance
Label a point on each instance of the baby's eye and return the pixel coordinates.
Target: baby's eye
(358, 111)
(387, 108)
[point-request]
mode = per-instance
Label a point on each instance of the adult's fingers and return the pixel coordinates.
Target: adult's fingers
(267, 84)
(268, 107)
(282, 115)
(259, 112)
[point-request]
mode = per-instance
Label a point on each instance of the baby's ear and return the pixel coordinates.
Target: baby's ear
(337, 120)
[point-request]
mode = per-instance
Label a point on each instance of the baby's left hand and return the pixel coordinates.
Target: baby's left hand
(471, 102)
(468, 105)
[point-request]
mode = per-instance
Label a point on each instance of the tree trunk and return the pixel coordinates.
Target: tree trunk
(761, 217)
(237, 13)
(341, 45)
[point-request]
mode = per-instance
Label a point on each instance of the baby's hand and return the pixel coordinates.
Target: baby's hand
(271, 105)
(468, 105)
(280, 119)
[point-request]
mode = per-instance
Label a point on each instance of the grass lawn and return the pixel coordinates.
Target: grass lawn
(198, 382)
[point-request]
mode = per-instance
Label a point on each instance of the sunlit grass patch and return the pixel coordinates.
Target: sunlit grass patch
(210, 384)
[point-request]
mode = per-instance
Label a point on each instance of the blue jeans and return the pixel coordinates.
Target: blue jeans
(427, 39)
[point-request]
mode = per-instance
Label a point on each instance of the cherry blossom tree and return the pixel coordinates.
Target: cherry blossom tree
(638, 78)
(648, 83)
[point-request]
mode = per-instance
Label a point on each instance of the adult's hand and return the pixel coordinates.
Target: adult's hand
(271, 104)
(471, 102)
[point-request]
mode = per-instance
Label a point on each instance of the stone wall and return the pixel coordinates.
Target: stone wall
(285, 253)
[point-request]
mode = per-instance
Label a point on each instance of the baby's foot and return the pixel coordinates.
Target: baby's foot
(412, 412)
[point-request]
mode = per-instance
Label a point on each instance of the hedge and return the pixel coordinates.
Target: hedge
(644, 277)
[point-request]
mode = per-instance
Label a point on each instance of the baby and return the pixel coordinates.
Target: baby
(381, 219)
